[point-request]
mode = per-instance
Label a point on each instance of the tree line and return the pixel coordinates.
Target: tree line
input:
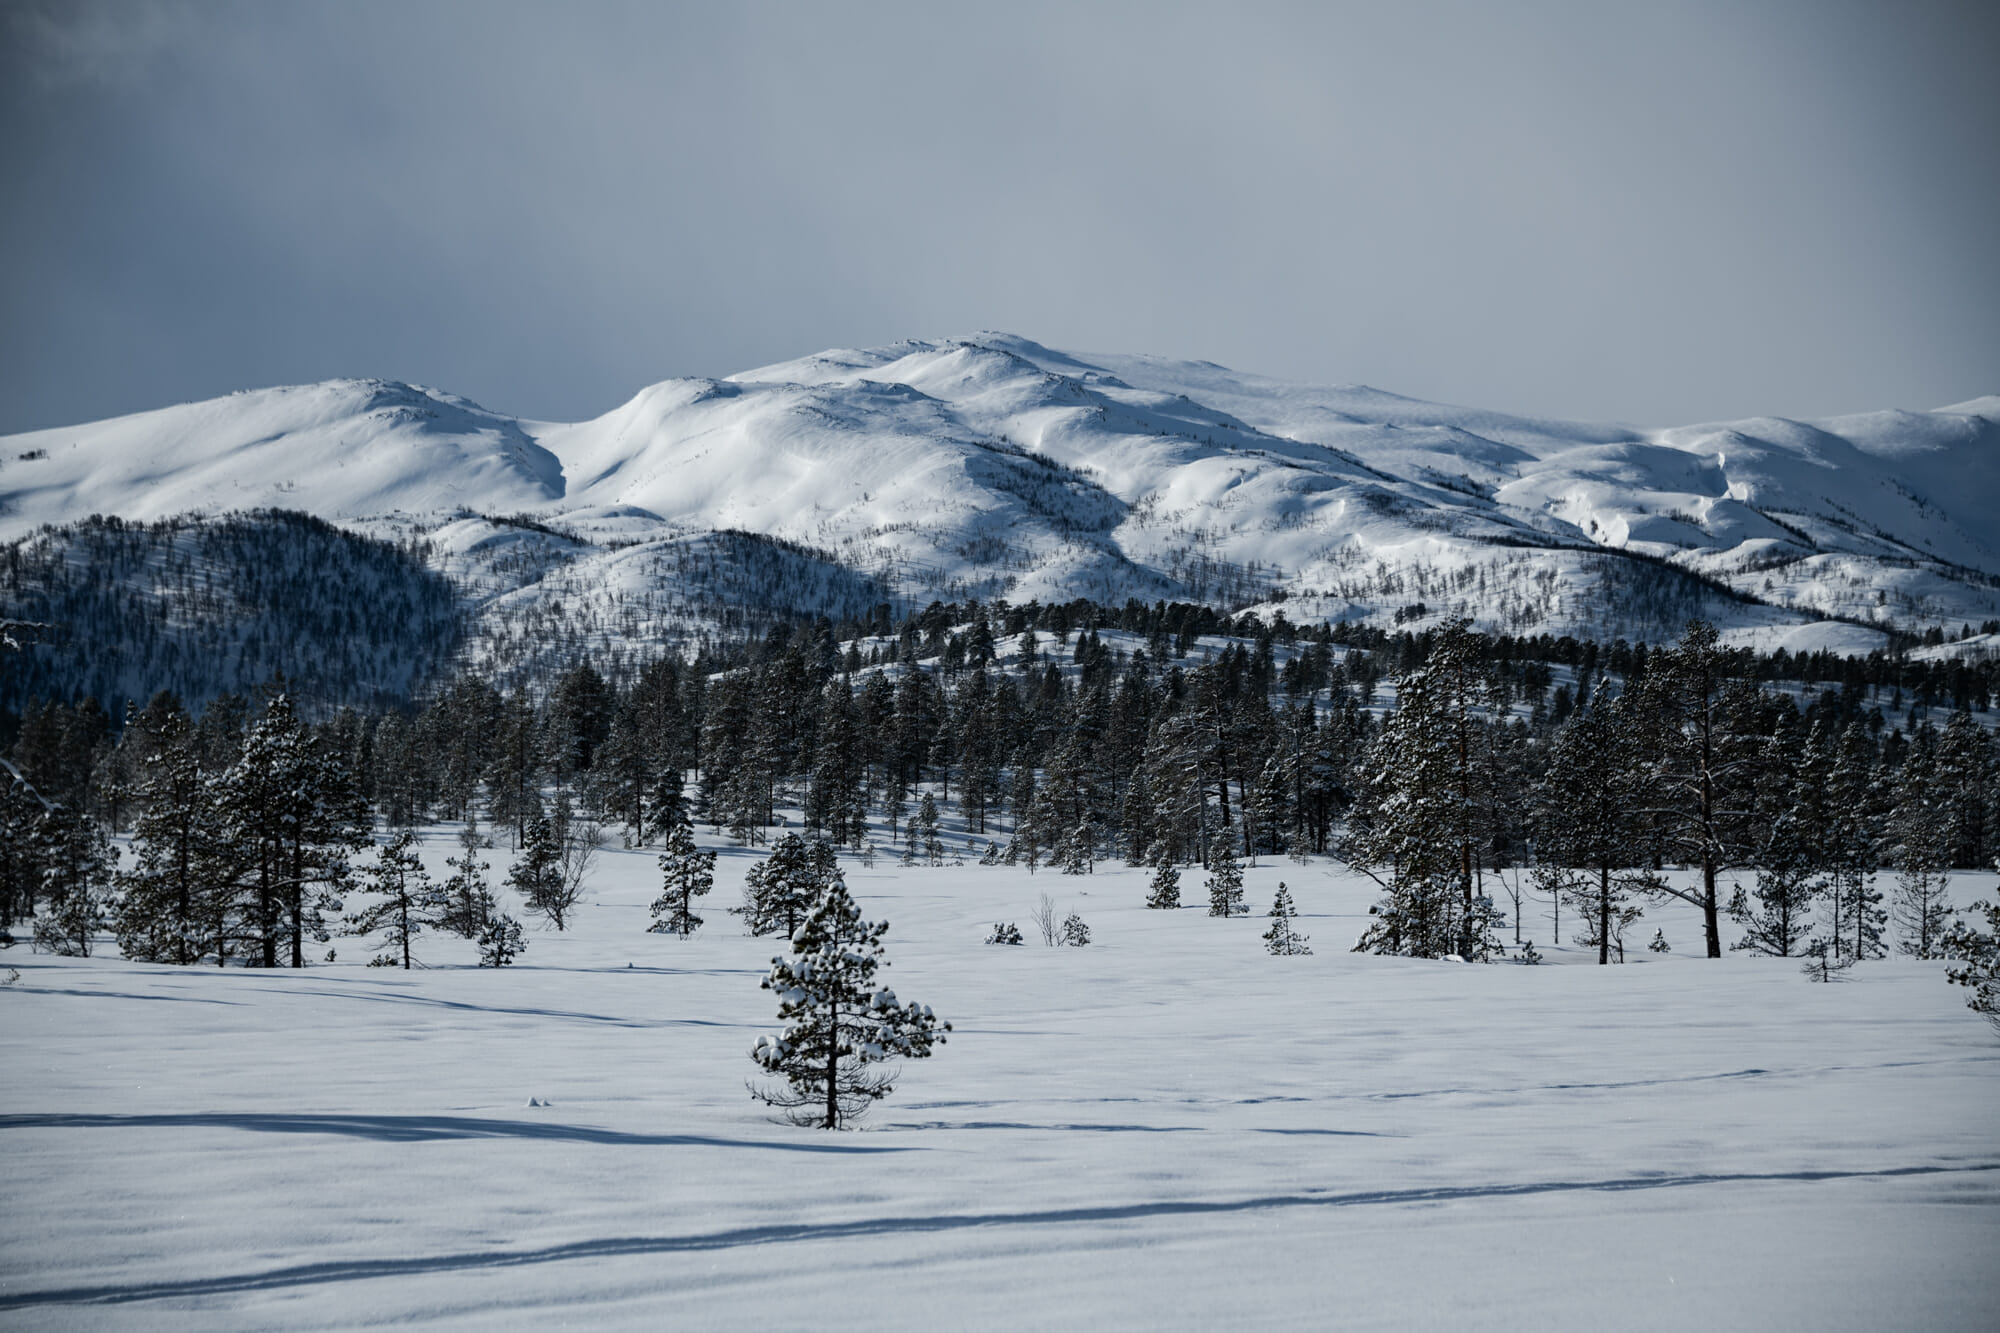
(1449, 765)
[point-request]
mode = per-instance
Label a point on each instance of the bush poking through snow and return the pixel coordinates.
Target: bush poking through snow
(841, 1030)
(1074, 933)
(1529, 955)
(1005, 932)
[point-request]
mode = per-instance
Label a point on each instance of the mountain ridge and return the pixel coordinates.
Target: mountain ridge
(994, 466)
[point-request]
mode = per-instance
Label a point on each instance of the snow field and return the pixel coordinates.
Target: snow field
(1167, 1128)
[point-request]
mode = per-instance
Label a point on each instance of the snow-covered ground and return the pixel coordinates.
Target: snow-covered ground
(1168, 1127)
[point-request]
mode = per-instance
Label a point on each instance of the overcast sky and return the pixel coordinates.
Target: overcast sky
(1654, 212)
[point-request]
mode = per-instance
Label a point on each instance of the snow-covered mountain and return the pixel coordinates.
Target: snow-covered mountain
(993, 466)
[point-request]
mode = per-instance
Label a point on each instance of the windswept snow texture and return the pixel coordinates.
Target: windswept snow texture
(1169, 1128)
(995, 466)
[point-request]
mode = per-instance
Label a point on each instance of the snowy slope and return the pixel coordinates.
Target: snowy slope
(994, 466)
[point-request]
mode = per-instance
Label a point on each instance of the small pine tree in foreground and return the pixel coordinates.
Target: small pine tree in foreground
(1659, 943)
(1074, 933)
(1225, 889)
(1166, 887)
(840, 1029)
(690, 873)
(1281, 938)
(1005, 932)
(500, 941)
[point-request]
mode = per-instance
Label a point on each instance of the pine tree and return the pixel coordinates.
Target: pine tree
(1005, 932)
(1281, 938)
(406, 901)
(537, 874)
(1921, 829)
(76, 867)
(1700, 771)
(1075, 933)
(468, 901)
(1978, 954)
(172, 899)
(1659, 943)
(927, 830)
(841, 1030)
(500, 941)
(1166, 892)
(689, 874)
(1418, 829)
(1584, 821)
(292, 811)
(1225, 888)
(783, 888)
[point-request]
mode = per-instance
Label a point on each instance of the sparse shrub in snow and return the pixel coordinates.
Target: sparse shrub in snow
(1281, 939)
(1659, 943)
(689, 873)
(1045, 919)
(1005, 932)
(1166, 887)
(1825, 961)
(1529, 954)
(1225, 888)
(841, 1029)
(1074, 932)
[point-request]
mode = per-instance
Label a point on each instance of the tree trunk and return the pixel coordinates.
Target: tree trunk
(1603, 915)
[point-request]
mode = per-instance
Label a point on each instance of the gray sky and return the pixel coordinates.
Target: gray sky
(1653, 212)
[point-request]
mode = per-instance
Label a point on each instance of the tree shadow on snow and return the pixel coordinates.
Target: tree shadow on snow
(417, 1129)
(356, 1270)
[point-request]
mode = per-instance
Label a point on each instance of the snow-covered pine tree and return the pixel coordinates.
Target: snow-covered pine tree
(1659, 942)
(170, 901)
(1281, 938)
(1584, 819)
(1005, 932)
(537, 874)
(1920, 833)
(689, 872)
(1418, 829)
(782, 888)
(1689, 714)
(294, 816)
(1075, 933)
(841, 1029)
(406, 901)
(1849, 849)
(1166, 888)
(468, 901)
(500, 941)
(76, 862)
(927, 831)
(1978, 954)
(1225, 888)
